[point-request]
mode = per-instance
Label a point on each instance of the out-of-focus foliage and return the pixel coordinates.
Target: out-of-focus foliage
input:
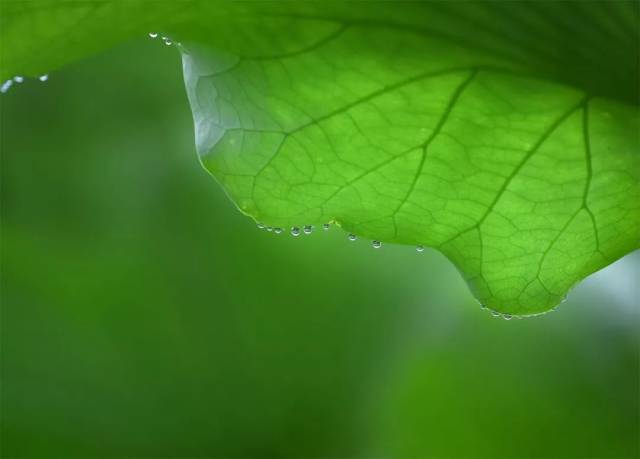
(143, 316)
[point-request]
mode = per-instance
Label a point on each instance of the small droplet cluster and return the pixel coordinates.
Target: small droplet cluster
(6, 85)
(309, 229)
(506, 316)
(165, 39)
(295, 230)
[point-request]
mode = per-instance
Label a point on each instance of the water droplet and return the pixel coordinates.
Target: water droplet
(43, 77)
(277, 230)
(260, 226)
(167, 41)
(326, 227)
(308, 229)
(420, 249)
(495, 313)
(5, 86)
(295, 231)
(376, 244)
(506, 316)
(269, 229)
(482, 306)
(18, 79)
(352, 237)
(153, 34)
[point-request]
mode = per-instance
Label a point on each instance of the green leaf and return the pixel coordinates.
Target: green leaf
(504, 134)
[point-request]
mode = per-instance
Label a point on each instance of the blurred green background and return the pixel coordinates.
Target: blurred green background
(144, 316)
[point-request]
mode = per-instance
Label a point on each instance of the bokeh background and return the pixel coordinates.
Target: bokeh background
(144, 316)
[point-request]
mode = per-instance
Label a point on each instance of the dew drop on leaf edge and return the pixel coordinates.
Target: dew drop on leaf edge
(5, 86)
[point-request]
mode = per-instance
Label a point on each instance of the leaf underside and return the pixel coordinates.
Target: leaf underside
(489, 131)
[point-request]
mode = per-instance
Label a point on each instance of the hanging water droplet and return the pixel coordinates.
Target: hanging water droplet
(506, 316)
(376, 244)
(5, 86)
(495, 313)
(277, 230)
(18, 79)
(308, 229)
(420, 249)
(43, 77)
(260, 226)
(269, 228)
(295, 231)
(326, 227)
(153, 34)
(352, 237)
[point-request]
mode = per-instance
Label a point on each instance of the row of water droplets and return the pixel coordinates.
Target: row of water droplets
(308, 229)
(165, 39)
(506, 316)
(6, 85)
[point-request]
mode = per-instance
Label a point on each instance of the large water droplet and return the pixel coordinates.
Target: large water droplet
(419, 248)
(376, 244)
(5, 86)
(308, 229)
(269, 228)
(352, 237)
(43, 77)
(153, 34)
(295, 231)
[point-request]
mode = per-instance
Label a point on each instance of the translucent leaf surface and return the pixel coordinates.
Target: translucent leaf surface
(503, 134)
